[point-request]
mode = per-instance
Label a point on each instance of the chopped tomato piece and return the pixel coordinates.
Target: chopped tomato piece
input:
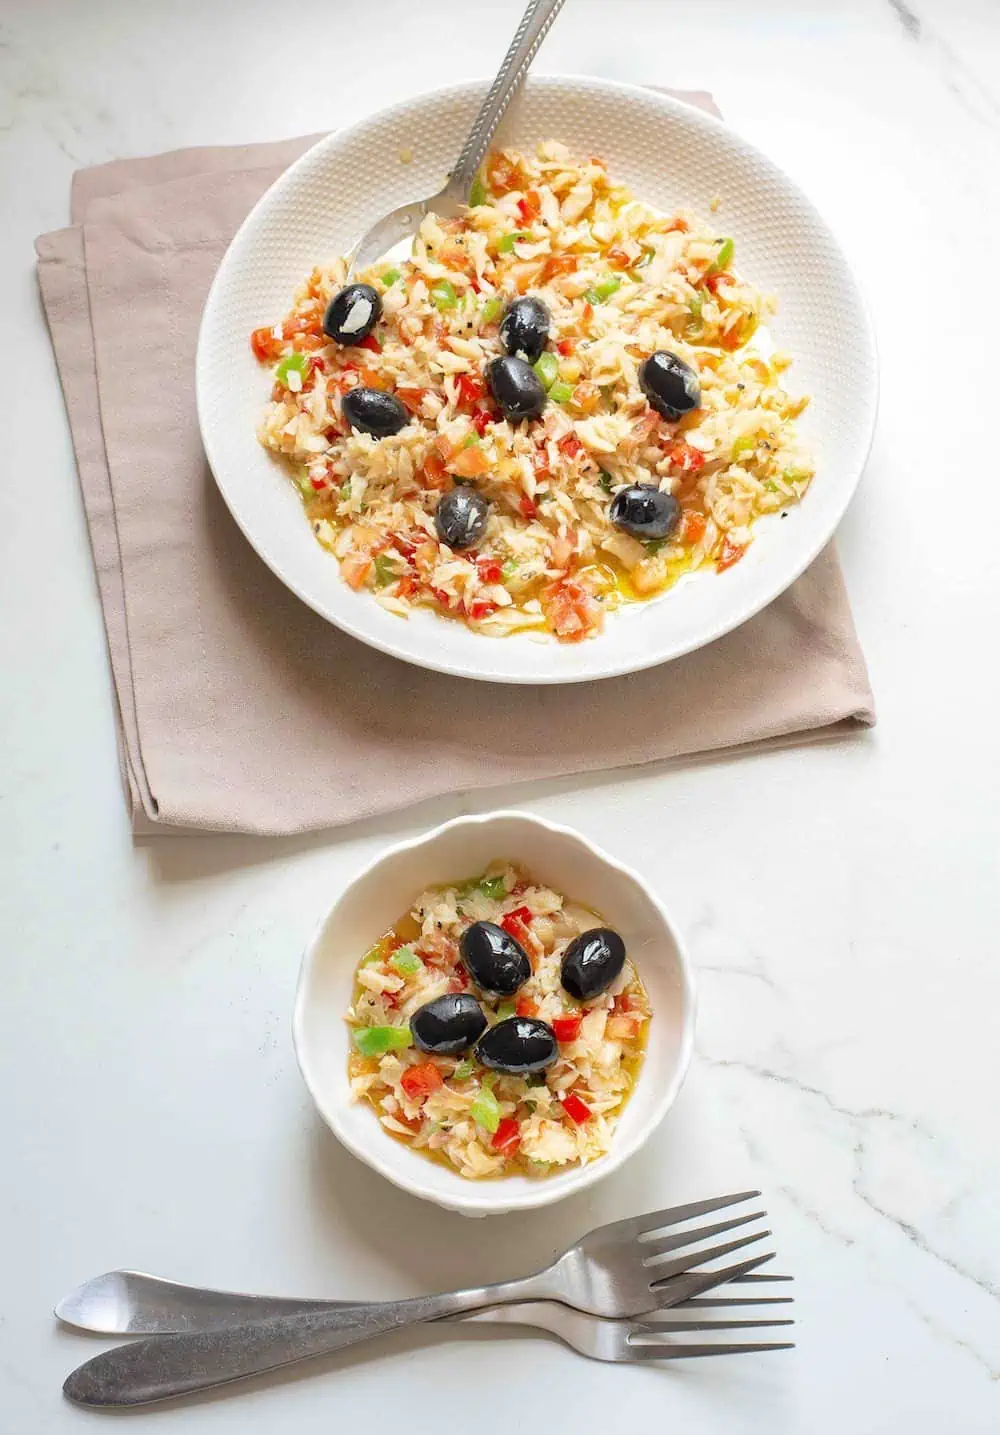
(434, 473)
(490, 569)
(407, 585)
(305, 343)
(712, 281)
(622, 1003)
(528, 507)
(618, 259)
(459, 980)
(300, 325)
(419, 1081)
(557, 264)
(412, 398)
(470, 390)
(566, 346)
(571, 610)
(480, 608)
(481, 421)
(731, 553)
(685, 457)
(567, 1028)
(570, 445)
(526, 1006)
(470, 463)
(355, 568)
(693, 529)
(561, 550)
(264, 344)
(502, 175)
(507, 1137)
(677, 224)
(578, 1111)
(403, 545)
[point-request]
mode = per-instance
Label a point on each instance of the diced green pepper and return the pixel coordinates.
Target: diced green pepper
(390, 276)
(561, 393)
(606, 482)
(506, 1010)
(406, 962)
(485, 1110)
(464, 1070)
(493, 887)
(477, 194)
(443, 295)
(470, 441)
(723, 257)
(509, 569)
(647, 254)
(653, 546)
(744, 444)
(546, 366)
(695, 303)
(796, 475)
(604, 290)
(385, 572)
(492, 310)
(377, 1040)
(291, 363)
(506, 245)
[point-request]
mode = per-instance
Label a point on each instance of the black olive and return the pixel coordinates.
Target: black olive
(524, 329)
(373, 411)
(352, 314)
(516, 387)
(591, 962)
(520, 1045)
(448, 1024)
(669, 384)
(644, 511)
(460, 517)
(496, 962)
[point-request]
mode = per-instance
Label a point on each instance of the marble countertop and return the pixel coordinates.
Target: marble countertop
(840, 901)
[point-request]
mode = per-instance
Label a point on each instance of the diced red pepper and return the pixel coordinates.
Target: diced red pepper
(731, 553)
(712, 281)
(578, 1111)
(481, 421)
(434, 474)
(526, 1006)
(490, 569)
(507, 1136)
(318, 484)
(621, 1004)
(370, 343)
(480, 608)
(408, 585)
(618, 259)
(517, 923)
(459, 980)
(411, 397)
(566, 346)
(567, 1028)
(529, 206)
(570, 445)
(557, 264)
(527, 506)
(419, 1081)
(685, 457)
(470, 390)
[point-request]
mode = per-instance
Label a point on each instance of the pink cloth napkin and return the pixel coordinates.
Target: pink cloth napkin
(239, 709)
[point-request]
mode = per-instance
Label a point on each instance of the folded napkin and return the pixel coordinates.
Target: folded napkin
(239, 708)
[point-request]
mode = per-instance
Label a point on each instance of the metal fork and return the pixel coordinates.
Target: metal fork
(620, 1270)
(130, 1302)
(404, 222)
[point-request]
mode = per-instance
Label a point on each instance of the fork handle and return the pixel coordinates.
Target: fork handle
(171, 1365)
(534, 26)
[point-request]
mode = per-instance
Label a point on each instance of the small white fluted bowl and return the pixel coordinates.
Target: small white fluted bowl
(567, 862)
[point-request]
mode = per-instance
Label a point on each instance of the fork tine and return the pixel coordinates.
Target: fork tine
(765, 1276)
(664, 1270)
(662, 1244)
(683, 1287)
(673, 1215)
(720, 1302)
(652, 1325)
(691, 1352)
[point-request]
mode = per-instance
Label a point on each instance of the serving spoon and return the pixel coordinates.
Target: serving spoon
(403, 223)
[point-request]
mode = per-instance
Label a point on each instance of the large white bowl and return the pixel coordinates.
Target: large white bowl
(671, 155)
(374, 900)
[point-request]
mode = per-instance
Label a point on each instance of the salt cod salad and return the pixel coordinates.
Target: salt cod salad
(553, 407)
(498, 1027)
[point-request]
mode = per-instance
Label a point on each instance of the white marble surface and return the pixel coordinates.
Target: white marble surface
(841, 902)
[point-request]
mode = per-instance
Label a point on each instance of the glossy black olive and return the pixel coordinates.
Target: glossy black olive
(524, 329)
(352, 314)
(516, 387)
(644, 511)
(591, 962)
(670, 385)
(496, 962)
(460, 517)
(374, 412)
(519, 1045)
(448, 1024)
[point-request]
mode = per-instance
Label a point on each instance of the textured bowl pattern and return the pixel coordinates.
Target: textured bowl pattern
(671, 155)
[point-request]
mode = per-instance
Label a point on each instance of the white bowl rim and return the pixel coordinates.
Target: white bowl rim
(484, 1198)
(609, 668)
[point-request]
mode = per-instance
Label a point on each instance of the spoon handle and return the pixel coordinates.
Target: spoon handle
(534, 26)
